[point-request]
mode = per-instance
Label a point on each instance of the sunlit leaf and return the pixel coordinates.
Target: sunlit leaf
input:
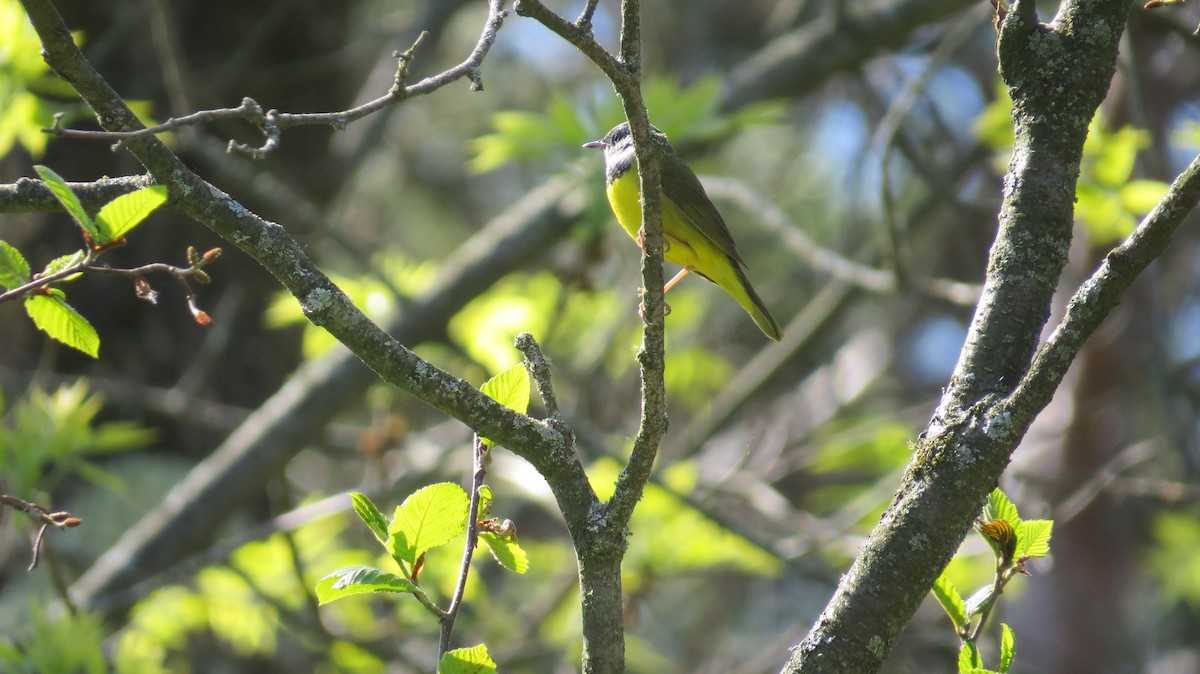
(506, 551)
(354, 580)
(429, 517)
(127, 211)
(52, 315)
(473, 660)
(370, 515)
(1034, 537)
(1008, 648)
(968, 657)
(510, 388)
(998, 507)
(58, 187)
(951, 601)
(14, 270)
(65, 262)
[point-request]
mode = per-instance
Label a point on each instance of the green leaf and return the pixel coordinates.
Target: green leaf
(980, 601)
(485, 500)
(509, 388)
(65, 262)
(371, 515)
(998, 507)
(1008, 648)
(67, 198)
(506, 551)
(14, 270)
(127, 211)
(429, 517)
(968, 657)
(53, 316)
(353, 580)
(951, 601)
(1033, 538)
(473, 660)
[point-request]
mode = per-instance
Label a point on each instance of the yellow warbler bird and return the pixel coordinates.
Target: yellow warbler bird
(695, 234)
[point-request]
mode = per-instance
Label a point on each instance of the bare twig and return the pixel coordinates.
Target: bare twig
(539, 370)
(828, 261)
(478, 473)
(59, 520)
(182, 275)
(272, 122)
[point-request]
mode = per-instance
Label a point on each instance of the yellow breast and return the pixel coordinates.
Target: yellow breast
(685, 246)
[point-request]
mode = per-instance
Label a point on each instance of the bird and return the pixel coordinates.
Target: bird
(695, 235)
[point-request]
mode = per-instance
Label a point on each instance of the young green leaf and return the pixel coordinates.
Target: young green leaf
(506, 551)
(509, 388)
(968, 657)
(14, 270)
(58, 187)
(53, 316)
(998, 507)
(473, 660)
(65, 262)
(429, 517)
(1034, 538)
(951, 601)
(127, 211)
(485, 500)
(353, 580)
(1008, 648)
(371, 515)
(980, 601)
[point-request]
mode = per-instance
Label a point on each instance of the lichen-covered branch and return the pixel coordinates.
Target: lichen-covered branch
(1057, 73)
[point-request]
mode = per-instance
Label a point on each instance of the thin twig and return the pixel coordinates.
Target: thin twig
(272, 122)
(539, 370)
(828, 261)
(42, 514)
(478, 473)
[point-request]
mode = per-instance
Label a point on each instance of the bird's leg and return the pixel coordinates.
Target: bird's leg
(676, 279)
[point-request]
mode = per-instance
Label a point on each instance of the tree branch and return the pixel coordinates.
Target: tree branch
(1057, 75)
(29, 195)
(272, 122)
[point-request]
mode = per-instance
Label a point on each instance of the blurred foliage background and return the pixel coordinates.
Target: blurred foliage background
(864, 199)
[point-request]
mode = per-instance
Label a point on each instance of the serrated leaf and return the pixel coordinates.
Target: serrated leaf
(485, 500)
(506, 551)
(353, 580)
(951, 601)
(1008, 648)
(53, 316)
(968, 657)
(370, 515)
(980, 601)
(1034, 538)
(14, 270)
(473, 660)
(429, 517)
(65, 262)
(127, 211)
(998, 507)
(58, 187)
(509, 388)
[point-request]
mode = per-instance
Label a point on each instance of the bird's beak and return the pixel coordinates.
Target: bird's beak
(594, 144)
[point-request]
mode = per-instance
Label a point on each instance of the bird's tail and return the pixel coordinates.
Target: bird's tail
(754, 306)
